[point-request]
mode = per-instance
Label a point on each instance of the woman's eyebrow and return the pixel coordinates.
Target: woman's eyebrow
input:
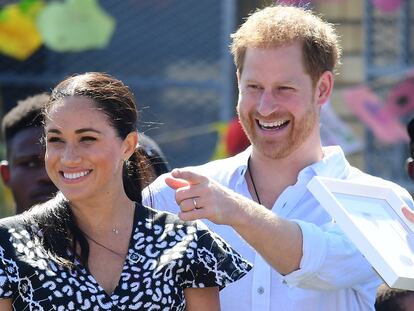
(88, 129)
(79, 131)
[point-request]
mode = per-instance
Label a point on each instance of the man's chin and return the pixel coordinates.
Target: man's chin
(271, 151)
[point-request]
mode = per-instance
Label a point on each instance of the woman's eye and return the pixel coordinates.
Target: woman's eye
(53, 139)
(88, 138)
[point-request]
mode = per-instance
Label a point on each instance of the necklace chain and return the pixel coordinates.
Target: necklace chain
(105, 247)
(254, 185)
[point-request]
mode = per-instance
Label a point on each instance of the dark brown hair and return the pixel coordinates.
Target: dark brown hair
(54, 218)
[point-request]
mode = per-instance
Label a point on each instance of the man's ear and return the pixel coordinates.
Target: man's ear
(5, 171)
(238, 76)
(324, 87)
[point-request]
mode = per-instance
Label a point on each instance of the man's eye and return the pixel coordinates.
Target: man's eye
(285, 88)
(253, 86)
(32, 163)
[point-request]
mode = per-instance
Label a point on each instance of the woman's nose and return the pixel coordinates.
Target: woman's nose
(70, 155)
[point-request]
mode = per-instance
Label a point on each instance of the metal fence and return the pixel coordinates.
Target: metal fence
(389, 50)
(172, 53)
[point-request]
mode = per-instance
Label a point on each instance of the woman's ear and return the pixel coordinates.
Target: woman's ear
(5, 171)
(129, 144)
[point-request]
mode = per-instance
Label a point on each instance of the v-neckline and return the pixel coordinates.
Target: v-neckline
(125, 265)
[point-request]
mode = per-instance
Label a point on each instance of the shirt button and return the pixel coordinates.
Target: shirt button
(260, 290)
(284, 282)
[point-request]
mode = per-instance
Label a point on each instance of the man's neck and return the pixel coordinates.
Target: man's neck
(272, 176)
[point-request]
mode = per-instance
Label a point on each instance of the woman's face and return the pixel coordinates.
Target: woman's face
(84, 155)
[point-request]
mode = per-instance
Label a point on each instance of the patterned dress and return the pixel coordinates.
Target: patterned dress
(165, 256)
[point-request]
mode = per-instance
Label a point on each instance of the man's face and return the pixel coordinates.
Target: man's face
(277, 106)
(25, 172)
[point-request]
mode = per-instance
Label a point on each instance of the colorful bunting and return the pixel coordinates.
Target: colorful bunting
(75, 25)
(387, 6)
(369, 108)
(231, 139)
(19, 37)
(334, 131)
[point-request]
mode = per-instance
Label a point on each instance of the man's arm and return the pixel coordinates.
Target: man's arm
(279, 241)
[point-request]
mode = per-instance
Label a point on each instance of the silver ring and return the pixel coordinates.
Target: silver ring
(195, 203)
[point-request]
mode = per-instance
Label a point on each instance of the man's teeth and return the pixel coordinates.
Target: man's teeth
(275, 124)
(75, 175)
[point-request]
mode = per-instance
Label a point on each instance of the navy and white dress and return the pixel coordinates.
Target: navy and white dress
(165, 256)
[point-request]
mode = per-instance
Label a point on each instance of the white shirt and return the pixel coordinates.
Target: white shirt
(333, 274)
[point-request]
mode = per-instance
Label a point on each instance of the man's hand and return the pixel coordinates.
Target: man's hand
(409, 214)
(200, 197)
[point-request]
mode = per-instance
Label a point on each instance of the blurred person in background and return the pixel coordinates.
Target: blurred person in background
(391, 299)
(152, 151)
(285, 59)
(409, 163)
(24, 171)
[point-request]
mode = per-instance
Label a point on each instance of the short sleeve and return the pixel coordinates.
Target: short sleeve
(216, 263)
(6, 267)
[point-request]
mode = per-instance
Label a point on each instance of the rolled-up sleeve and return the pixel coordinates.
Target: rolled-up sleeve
(330, 260)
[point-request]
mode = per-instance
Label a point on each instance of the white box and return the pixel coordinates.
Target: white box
(372, 219)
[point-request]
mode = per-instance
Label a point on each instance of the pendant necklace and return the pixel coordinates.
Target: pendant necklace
(254, 185)
(105, 247)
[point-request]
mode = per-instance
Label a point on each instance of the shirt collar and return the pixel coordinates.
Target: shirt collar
(333, 164)
(240, 161)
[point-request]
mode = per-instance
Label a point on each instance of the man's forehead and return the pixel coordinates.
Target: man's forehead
(26, 143)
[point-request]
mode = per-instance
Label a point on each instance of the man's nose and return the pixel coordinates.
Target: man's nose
(267, 103)
(42, 176)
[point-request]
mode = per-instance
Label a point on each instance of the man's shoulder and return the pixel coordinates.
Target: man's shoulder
(218, 170)
(11, 222)
(356, 175)
(160, 196)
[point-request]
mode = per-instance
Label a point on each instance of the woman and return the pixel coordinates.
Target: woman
(94, 246)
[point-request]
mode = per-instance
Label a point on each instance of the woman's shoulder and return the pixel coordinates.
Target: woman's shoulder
(164, 220)
(11, 222)
(25, 222)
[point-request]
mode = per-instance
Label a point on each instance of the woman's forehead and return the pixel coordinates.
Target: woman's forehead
(75, 110)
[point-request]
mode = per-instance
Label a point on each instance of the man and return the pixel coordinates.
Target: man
(285, 59)
(391, 299)
(24, 171)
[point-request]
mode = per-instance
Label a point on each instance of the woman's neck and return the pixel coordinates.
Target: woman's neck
(104, 216)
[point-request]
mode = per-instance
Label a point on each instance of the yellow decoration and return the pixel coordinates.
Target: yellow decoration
(220, 151)
(19, 37)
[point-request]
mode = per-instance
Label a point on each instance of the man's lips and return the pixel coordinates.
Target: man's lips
(271, 126)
